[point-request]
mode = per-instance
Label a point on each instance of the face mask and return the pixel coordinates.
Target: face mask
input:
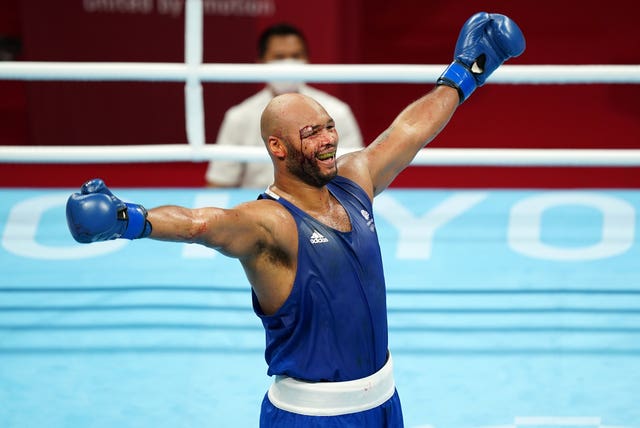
(282, 87)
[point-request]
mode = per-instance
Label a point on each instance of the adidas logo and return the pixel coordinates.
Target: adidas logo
(317, 238)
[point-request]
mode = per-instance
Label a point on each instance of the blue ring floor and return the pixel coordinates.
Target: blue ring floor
(507, 309)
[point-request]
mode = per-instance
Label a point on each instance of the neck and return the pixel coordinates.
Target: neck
(303, 195)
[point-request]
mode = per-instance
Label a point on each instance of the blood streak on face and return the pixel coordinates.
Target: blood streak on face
(314, 162)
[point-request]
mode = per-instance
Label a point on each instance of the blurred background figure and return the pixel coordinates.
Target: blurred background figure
(280, 43)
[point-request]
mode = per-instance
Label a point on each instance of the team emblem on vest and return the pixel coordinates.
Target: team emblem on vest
(317, 238)
(367, 217)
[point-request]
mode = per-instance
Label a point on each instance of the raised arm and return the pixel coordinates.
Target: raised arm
(485, 42)
(413, 128)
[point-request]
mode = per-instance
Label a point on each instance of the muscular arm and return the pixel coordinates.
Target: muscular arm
(375, 167)
(247, 232)
(484, 43)
(415, 127)
(261, 234)
(234, 232)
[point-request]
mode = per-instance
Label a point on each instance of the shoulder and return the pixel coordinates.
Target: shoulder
(257, 229)
(273, 220)
(270, 264)
(265, 211)
(354, 167)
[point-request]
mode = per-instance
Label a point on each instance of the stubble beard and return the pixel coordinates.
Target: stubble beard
(306, 169)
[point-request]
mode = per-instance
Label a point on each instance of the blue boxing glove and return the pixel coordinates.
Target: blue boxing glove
(485, 42)
(95, 214)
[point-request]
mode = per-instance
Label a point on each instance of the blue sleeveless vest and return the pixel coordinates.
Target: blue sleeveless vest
(333, 325)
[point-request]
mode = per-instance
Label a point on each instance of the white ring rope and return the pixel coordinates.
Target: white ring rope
(193, 72)
(432, 156)
(318, 73)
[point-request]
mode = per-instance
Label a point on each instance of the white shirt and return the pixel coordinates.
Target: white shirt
(241, 127)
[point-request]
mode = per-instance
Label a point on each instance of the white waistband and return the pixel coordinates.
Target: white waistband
(333, 398)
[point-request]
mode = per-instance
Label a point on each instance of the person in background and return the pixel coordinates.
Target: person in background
(279, 43)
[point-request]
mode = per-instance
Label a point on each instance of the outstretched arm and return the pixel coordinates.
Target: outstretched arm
(261, 233)
(234, 232)
(95, 214)
(485, 42)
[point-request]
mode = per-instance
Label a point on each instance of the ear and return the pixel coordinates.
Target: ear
(276, 147)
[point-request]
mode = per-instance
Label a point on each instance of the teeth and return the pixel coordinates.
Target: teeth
(325, 156)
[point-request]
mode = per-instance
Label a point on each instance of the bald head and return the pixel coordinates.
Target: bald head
(287, 113)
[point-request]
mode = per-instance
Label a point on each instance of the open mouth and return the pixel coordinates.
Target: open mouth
(326, 156)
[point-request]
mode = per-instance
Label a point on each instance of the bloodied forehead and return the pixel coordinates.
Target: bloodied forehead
(292, 113)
